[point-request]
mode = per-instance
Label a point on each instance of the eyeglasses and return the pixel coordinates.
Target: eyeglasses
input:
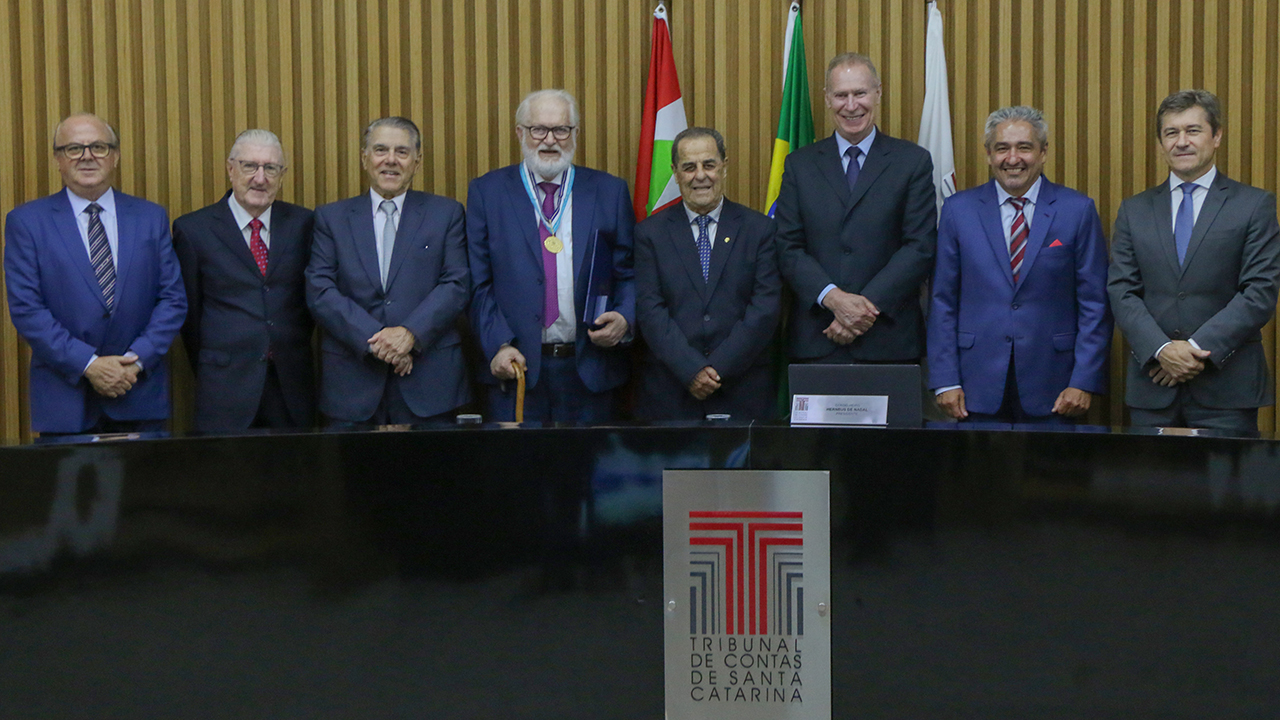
(249, 169)
(75, 151)
(561, 132)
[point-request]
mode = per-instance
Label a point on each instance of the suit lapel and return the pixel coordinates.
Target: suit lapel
(584, 222)
(1219, 193)
(1041, 219)
(69, 234)
(722, 244)
(126, 240)
(360, 222)
(830, 166)
(994, 229)
(283, 238)
(408, 232)
(230, 235)
(684, 248)
(877, 161)
(524, 214)
(1160, 210)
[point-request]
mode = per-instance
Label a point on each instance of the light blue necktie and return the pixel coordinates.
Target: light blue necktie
(388, 239)
(704, 245)
(1185, 222)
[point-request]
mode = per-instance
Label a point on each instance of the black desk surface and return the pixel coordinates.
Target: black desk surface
(487, 572)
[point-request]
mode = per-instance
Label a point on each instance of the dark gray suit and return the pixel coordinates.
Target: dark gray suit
(877, 241)
(1221, 296)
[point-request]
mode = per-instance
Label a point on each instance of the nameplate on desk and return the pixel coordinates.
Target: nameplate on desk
(839, 409)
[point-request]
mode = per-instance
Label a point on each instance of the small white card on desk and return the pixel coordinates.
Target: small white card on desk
(839, 409)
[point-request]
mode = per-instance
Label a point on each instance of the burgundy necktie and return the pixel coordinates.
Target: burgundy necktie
(256, 245)
(1017, 237)
(550, 297)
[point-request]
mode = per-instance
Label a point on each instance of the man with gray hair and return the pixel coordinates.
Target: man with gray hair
(550, 250)
(387, 282)
(857, 219)
(248, 331)
(1019, 329)
(1194, 272)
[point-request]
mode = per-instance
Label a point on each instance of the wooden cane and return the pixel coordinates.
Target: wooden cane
(519, 391)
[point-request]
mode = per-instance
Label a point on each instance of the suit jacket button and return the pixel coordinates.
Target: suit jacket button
(262, 358)
(1008, 339)
(1015, 306)
(539, 281)
(387, 302)
(706, 352)
(1182, 296)
(266, 288)
(706, 318)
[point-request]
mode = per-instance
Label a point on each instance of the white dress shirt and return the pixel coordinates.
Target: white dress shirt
(243, 218)
(380, 220)
(110, 221)
(565, 328)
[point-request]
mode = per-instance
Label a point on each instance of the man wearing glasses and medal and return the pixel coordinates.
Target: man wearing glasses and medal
(549, 245)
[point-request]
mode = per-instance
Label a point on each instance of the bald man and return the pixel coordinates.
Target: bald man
(94, 288)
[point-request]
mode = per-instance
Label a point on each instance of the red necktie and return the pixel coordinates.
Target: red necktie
(1017, 237)
(256, 245)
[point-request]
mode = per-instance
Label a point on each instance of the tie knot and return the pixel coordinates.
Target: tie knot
(1187, 188)
(255, 224)
(703, 221)
(853, 152)
(548, 188)
(388, 207)
(93, 209)
(1018, 203)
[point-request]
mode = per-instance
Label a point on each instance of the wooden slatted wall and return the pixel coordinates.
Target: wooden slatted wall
(180, 79)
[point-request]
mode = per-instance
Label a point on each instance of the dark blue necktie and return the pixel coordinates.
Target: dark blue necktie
(1185, 222)
(851, 172)
(104, 266)
(704, 245)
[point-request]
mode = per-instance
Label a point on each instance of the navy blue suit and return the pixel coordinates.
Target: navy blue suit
(506, 267)
(725, 321)
(56, 305)
(876, 241)
(427, 287)
(236, 317)
(1054, 321)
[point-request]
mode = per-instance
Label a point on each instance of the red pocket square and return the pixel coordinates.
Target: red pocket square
(1056, 243)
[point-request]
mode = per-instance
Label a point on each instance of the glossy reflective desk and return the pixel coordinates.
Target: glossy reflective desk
(500, 573)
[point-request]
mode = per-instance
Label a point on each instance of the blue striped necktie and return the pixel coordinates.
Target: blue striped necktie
(100, 256)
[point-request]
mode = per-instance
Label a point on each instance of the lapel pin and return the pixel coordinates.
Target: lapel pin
(726, 239)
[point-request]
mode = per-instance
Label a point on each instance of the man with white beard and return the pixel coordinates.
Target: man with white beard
(549, 245)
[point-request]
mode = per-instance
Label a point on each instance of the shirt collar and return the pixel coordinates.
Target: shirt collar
(107, 202)
(1032, 195)
(1205, 181)
(865, 146)
(244, 217)
(535, 178)
(377, 201)
(714, 214)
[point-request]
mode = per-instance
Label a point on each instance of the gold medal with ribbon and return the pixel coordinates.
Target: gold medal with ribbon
(553, 244)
